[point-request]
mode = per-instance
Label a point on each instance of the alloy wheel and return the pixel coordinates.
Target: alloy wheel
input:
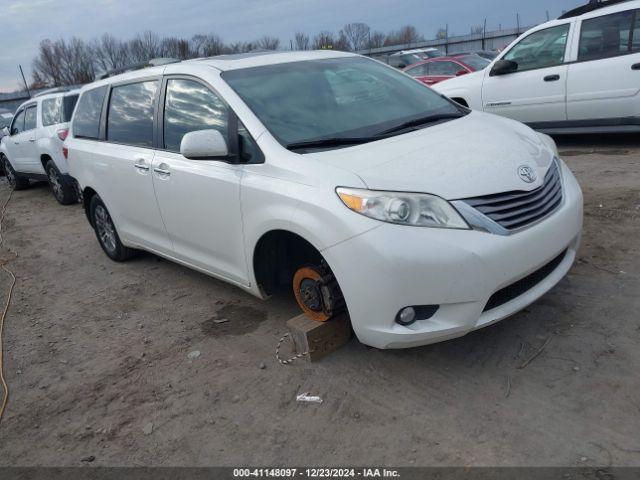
(106, 230)
(56, 186)
(11, 178)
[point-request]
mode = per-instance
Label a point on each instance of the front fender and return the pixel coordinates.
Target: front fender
(467, 87)
(313, 212)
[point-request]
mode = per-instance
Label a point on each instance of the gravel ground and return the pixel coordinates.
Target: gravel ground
(97, 359)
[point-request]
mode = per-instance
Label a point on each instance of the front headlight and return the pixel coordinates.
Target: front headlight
(416, 209)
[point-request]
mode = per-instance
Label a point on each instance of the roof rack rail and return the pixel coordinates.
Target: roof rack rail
(590, 7)
(154, 62)
(53, 90)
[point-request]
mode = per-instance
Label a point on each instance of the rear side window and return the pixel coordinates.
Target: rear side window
(635, 40)
(30, 119)
(18, 123)
(86, 121)
(419, 71)
(608, 36)
(444, 68)
(190, 106)
(130, 117)
(52, 112)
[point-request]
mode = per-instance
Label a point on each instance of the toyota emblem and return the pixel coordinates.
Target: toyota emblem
(527, 174)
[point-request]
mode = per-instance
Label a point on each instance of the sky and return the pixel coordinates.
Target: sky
(24, 23)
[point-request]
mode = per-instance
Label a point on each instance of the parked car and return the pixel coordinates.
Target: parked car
(33, 147)
(333, 176)
(486, 54)
(5, 120)
(408, 57)
(436, 70)
(577, 74)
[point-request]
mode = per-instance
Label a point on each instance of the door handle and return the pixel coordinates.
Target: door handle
(141, 165)
(635, 66)
(32, 140)
(162, 171)
(552, 78)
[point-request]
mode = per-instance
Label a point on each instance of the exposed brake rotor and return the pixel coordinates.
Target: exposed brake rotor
(317, 292)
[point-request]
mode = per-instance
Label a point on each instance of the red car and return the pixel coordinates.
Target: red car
(434, 70)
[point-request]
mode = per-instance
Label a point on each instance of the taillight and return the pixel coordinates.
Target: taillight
(62, 134)
(65, 152)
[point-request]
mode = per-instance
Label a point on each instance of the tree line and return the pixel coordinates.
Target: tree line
(76, 61)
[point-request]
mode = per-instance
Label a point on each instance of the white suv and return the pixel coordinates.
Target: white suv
(32, 148)
(333, 176)
(577, 74)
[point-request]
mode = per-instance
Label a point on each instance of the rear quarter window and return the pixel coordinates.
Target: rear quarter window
(86, 121)
(52, 113)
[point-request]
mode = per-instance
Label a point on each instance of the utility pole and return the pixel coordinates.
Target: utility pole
(484, 35)
(518, 22)
(25, 81)
(548, 18)
(446, 36)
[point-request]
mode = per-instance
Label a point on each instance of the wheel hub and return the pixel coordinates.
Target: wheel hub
(106, 231)
(10, 177)
(317, 292)
(55, 183)
(310, 294)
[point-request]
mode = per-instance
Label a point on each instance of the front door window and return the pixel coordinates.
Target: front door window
(542, 49)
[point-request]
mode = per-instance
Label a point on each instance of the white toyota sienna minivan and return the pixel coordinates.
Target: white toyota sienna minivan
(334, 176)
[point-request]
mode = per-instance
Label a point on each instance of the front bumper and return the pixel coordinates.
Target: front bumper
(392, 267)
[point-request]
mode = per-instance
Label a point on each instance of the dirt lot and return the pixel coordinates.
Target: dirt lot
(97, 359)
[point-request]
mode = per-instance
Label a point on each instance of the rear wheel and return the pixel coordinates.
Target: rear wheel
(62, 189)
(16, 182)
(106, 232)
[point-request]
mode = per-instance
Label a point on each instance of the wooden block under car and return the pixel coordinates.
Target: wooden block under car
(319, 338)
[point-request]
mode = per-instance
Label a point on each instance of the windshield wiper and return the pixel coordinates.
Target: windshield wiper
(417, 122)
(329, 142)
(332, 142)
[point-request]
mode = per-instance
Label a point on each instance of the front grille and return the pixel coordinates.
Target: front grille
(513, 210)
(516, 289)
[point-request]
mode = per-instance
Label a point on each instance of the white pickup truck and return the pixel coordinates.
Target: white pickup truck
(577, 74)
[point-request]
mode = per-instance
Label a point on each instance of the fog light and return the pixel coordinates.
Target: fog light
(406, 316)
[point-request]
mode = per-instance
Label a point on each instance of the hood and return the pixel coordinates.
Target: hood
(473, 156)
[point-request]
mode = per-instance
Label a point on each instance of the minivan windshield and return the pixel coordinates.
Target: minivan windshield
(337, 100)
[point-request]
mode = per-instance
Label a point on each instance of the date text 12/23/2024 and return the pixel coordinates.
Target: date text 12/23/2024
(290, 473)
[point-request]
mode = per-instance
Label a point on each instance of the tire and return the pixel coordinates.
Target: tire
(16, 182)
(108, 237)
(61, 188)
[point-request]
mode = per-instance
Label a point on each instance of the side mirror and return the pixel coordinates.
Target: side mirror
(204, 145)
(503, 67)
(461, 72)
